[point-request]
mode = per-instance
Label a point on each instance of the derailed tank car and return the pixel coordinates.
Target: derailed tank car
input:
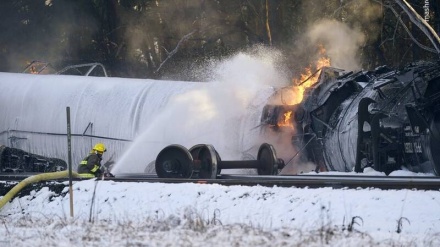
(385, 119)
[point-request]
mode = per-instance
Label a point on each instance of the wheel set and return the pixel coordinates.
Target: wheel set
(203, 161)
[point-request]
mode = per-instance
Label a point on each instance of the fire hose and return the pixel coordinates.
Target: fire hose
(34, 179)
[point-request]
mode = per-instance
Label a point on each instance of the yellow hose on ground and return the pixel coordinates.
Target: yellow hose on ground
(34, 179)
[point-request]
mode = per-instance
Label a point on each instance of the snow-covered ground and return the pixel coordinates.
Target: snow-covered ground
(108, 213)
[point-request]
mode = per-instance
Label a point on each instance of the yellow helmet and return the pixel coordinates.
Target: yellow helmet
(99, 147)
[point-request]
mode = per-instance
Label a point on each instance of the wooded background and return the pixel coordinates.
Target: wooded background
(172, 38)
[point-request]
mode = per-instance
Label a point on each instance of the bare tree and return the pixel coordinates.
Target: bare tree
(420, 23)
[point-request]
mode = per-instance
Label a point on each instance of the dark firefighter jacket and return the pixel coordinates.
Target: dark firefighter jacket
(91, 165)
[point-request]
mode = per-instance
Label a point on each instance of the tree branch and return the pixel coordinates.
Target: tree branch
(421, 23)
(407, 30)
(410, 34)
(184, 38)
(269, 35)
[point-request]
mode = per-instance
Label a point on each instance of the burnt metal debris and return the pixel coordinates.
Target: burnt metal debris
(385, 119)
(13, 160)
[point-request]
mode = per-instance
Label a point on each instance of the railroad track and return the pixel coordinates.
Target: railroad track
(310, 181)
(300, 181)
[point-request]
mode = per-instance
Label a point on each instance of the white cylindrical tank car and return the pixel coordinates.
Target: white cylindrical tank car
(109, 110)
(120, 112)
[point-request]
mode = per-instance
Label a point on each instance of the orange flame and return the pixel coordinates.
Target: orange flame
(286, 120)
(306, 80)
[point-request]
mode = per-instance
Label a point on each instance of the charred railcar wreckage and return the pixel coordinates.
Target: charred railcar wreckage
(385, 119)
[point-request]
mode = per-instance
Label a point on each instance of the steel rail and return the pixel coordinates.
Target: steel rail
(299, 181)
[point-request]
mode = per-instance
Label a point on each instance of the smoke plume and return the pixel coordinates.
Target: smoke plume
(341, 42)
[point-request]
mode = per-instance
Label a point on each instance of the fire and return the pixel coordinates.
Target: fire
(309, 77)
(286, 120)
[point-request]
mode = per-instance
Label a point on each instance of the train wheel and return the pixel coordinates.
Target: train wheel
(208, 158)
(174, 161)
(268, 160)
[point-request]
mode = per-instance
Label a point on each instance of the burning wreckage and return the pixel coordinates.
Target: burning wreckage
(345, 121)
(383, 119)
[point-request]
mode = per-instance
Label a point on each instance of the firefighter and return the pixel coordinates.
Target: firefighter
(90, 166)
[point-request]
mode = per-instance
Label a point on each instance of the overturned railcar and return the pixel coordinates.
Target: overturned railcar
(386, 119)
